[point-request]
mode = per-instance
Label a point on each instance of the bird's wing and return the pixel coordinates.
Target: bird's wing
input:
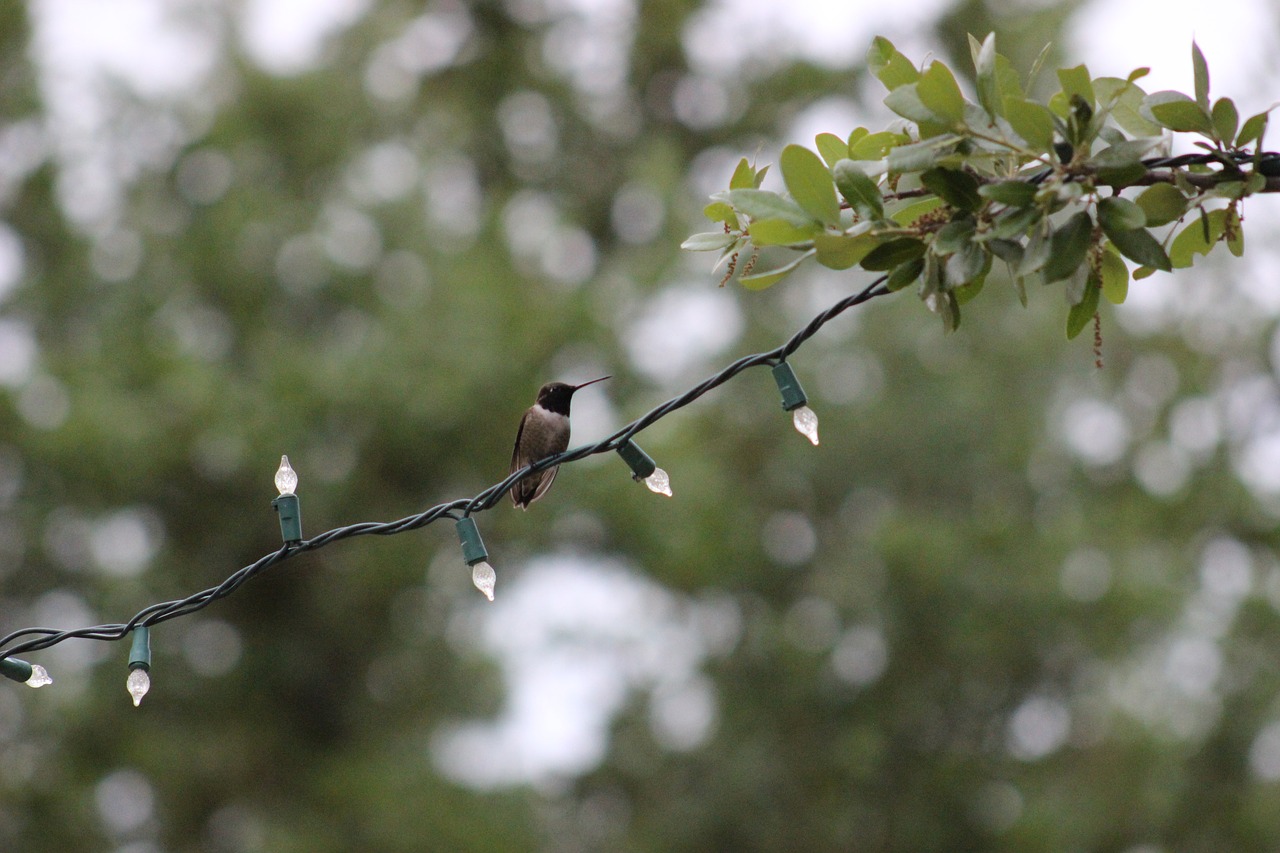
(521, 492)
(534, 486)
(516, 461)
(548, 477)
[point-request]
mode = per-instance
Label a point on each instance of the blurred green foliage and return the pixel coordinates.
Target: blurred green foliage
(1010, 603)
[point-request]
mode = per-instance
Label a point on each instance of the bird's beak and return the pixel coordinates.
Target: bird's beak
(592, 382)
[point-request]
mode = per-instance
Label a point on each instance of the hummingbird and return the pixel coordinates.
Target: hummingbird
(544, 431)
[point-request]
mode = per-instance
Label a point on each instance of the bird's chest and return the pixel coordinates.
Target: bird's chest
(544, 433)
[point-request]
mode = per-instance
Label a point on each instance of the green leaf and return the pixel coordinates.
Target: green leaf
(1115, 277)
(1201, 69)
(1236, 190)
(984, 66)
(744, 177)
(762, 280)
(1125, 100)
(1013, 223)
(1121, 176)
(1081, 128)
(910, 213)
(906, 102)
(905, 273)
(708, 241)
(1176, 111)
(1162, 203)
(875, 146)
(956, 188)
(975, 48)
(841, 251)
(718, 211)
(1125, 153)
(1059, 105)
(728, 253)
(1120, 214)
(1065, 194)
(954, 236)
(860, 191)
(1253, 129)
(1035, 254)
(1232, 190)
(780, 232)
(922, 155)
(1233, 232)
(1132, 121)
(938, 300)
(1038, 64)
(1139, 246)
(948, 307)
(1032, 121)
(893, 253)
(1068, 247)
(1012, 193)
(1226, 119)
(1009, 251)
(890, 67)
(1076, 81)
(832, 148)
(1198, 238)
(967, 291)
(1020, 287)
(1082, 312)
(809, 182)
(1008, 83)
(763, 204)
(939, 91)
(966, 265)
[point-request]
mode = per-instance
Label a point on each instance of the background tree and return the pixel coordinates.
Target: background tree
(1011, 602)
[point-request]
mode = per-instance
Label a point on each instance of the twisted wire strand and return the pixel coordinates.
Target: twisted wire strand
(43, 638)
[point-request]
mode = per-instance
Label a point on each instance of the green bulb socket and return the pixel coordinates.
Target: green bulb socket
(472, 545)
(642, 464)
(15, 669)
(290, 512)
(792, 394)
(140, 651)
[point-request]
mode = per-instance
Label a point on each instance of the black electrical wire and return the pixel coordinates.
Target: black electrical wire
(43, 638)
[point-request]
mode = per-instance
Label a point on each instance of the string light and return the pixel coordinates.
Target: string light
(483, 576)
(30, 674)
(287, 504)
(475, 555)
(29, 639)
(139, 681)
(794, 401)
(643, 468)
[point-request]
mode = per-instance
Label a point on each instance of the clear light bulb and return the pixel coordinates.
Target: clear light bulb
(484, 577)
(806, 421)
(138, 685)
(286, 477)
(39, 676)
(659, 482)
